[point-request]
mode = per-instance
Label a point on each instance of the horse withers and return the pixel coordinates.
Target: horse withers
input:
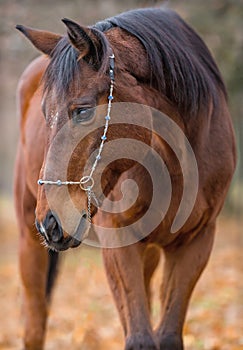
(152, 74)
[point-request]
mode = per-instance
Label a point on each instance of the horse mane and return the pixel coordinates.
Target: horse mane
(182, 68)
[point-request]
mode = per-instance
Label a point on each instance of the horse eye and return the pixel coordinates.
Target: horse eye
(81, 115)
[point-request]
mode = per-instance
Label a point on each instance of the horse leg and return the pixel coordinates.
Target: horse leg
(183, 266)
(124, 269)
(151, 260)
(33, 267)
(33, 261)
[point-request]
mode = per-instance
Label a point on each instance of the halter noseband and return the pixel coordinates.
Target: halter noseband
(86, 183)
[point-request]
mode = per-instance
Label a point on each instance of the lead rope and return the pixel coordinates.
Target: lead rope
(86, 183)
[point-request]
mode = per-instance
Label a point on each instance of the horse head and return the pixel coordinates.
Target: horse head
(76, 104)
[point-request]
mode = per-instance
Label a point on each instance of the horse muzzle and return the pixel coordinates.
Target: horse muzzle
(52, 232)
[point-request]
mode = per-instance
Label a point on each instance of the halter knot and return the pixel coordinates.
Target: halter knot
(86, 183)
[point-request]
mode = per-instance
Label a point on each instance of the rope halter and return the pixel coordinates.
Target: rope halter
(86, 183)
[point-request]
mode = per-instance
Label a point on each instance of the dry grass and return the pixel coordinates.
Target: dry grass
(83, 315)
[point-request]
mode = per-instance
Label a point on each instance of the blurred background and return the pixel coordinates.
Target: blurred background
(83, 315)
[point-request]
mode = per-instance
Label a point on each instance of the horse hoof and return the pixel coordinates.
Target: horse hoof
(171, 342)
(140, 342)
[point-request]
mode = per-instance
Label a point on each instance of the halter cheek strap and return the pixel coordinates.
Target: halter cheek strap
(86, 183)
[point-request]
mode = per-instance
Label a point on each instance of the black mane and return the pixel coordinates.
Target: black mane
(182, 67)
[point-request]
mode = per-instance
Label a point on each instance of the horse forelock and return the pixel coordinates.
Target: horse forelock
(62, 69)
(65, 68)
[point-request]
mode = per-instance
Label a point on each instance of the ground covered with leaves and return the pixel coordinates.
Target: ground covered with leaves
(83, 315)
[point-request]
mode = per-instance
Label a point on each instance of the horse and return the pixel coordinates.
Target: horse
(152, 61)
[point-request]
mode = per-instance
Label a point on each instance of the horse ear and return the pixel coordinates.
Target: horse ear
(85, 40)
(42, 40)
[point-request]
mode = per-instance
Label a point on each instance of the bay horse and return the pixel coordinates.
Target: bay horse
(146, 57)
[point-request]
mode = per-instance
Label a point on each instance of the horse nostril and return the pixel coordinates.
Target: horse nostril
(50, 228)
(57, 235)
(54, 229)
(52, 223)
